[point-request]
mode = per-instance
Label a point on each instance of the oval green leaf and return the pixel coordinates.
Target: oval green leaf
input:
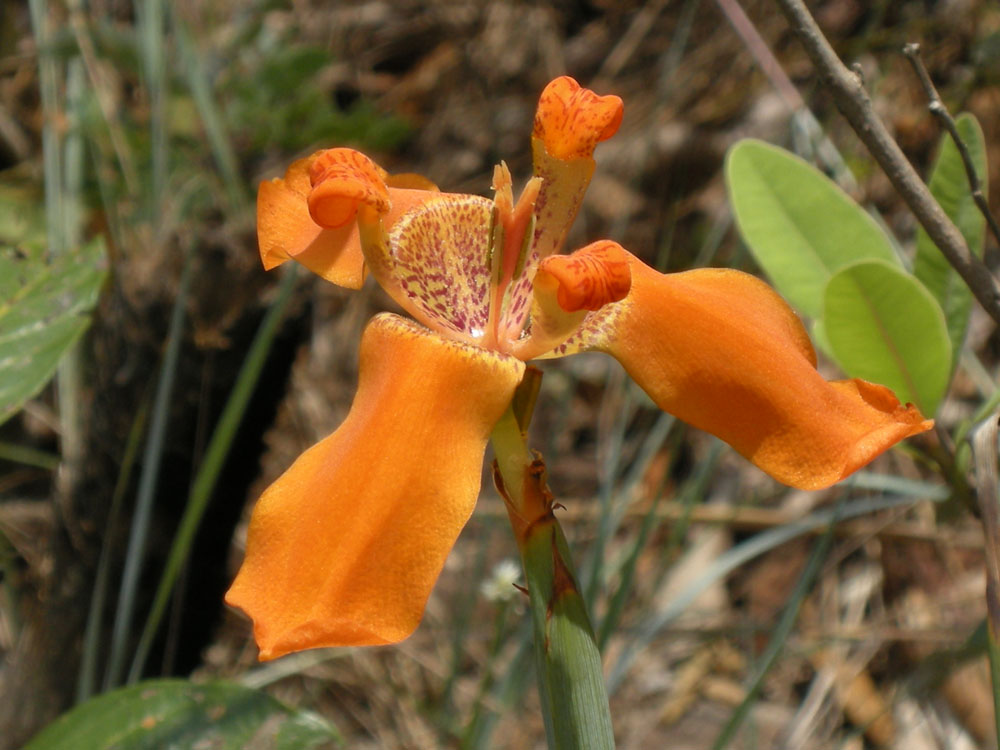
(178, 714)
(44, 308)
(884, 326)
(799, 225)
(949, 185)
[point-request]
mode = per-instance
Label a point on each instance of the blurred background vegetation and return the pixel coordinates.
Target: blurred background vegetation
(132, 137)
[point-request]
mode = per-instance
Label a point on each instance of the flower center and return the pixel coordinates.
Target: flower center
(441, 258)
(466, 267)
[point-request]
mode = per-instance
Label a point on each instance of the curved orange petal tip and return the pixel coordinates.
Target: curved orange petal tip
(722, 351)
(285, 230)
(572, 120)
(344, 548)
(591, 277)
(343, 180)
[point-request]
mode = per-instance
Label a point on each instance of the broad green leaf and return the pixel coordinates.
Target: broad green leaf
(884, 326)
(180, 715)
(798, 224)
(44, 307)
(950, 187)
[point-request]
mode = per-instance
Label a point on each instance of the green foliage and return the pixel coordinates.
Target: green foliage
(884, 326)
(833, 262)
(178, 714)
(949, 185)
(275, 102)
(149, 153)
(44, 301)
(258, 93)
(798, 224)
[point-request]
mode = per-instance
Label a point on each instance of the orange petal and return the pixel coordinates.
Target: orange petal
(571, 120)
(567, 286)
(286, 230)
(722, 351)
(344, 548)
(590, 278)
(569, 123)
(343, 180)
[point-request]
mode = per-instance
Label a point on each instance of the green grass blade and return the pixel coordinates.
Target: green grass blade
(488, 679)
(627, 574)
(201, 91)
(778, 638)
(86, 682)
(211, 466)
(593, 565)
(732, 559)
(152, 40)
(506, 694)
(48, 83)
(21, 454)
(461, 623)
(152, 457)
(69, 376)
(693, 492)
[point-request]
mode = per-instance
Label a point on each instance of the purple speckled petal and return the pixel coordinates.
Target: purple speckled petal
(440, 255)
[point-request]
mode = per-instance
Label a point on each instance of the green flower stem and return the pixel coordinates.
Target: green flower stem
(570, 678)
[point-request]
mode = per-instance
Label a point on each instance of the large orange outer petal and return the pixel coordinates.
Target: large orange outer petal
(344, 548)
(722, 351)
(287, 231)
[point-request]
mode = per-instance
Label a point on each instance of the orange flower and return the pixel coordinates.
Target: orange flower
(344, 548)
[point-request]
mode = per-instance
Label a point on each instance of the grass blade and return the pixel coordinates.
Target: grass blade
(86, 681)
(151, 459)
(778, 637)
(211, 465)
(201, 91)
(738, 555)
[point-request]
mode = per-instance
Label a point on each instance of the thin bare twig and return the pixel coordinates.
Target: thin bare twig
(937, 108)
(762, 54)
(853, 102)
(825, 151)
